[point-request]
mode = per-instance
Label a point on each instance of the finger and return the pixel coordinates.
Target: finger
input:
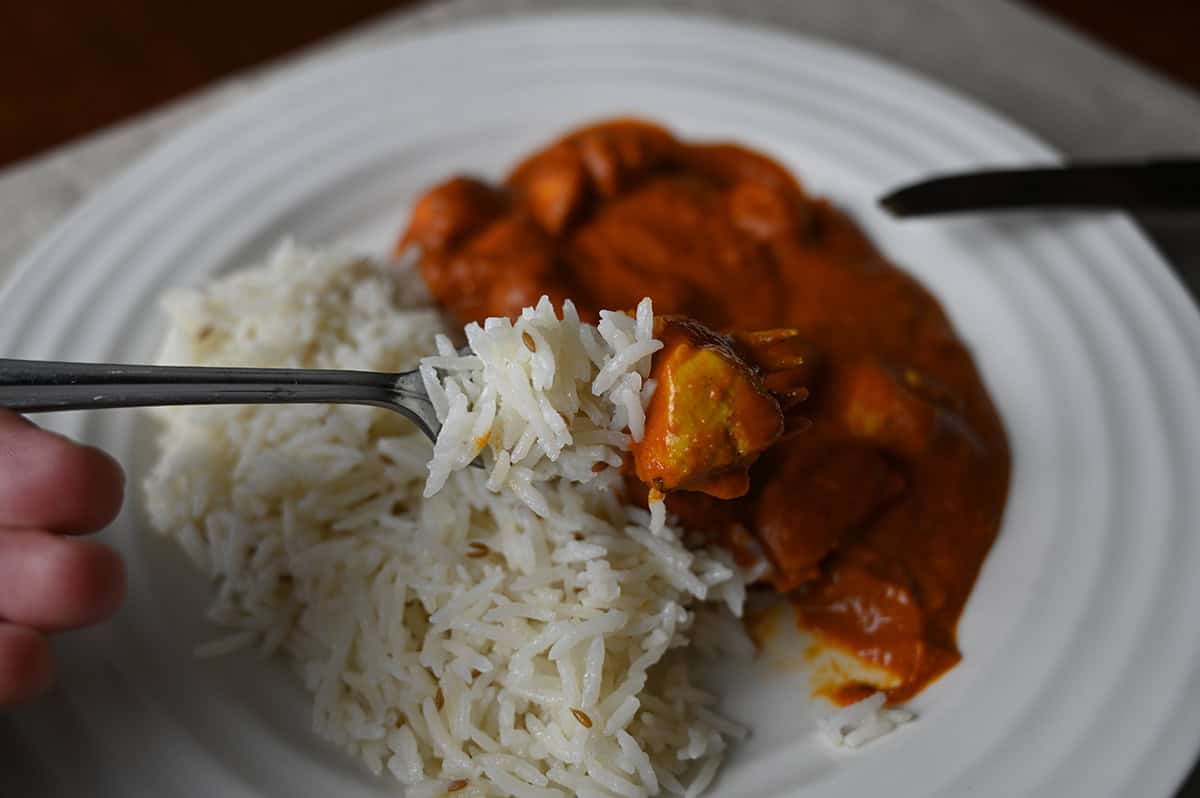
(50, 582)
(50, 482)
(26, 664)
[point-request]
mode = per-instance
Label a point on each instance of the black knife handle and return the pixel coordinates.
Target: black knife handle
(1161, 184)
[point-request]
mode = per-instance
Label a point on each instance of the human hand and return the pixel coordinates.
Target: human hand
(50, 488)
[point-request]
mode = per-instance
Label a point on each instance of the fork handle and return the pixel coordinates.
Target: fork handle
(35, 386)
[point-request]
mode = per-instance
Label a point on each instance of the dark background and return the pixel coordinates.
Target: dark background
(68, 67)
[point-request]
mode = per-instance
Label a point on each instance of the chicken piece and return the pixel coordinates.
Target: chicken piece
(503, 268)
(449, 213)
(555, 187)
(710, 417)
(870, 606)
(766, 211)
(814, 493)
(617, 157)
(873, 405)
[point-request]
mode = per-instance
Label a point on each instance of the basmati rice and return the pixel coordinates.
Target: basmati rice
(859, 723)
(453, 625)
(542, 398)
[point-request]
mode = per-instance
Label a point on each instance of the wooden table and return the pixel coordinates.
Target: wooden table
(69, 67)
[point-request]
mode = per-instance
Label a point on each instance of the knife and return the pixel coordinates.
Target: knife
(1142, 185)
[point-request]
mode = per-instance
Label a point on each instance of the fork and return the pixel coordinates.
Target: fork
(39, 386)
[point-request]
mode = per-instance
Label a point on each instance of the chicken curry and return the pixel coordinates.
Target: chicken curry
(846, 432)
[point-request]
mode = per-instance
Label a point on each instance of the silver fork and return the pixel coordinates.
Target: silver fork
(39, 386)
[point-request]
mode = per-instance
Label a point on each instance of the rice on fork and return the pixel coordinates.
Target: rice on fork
(546, 398)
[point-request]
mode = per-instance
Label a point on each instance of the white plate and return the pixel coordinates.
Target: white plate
(1080, 677)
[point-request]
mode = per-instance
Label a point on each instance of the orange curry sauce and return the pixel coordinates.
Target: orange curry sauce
(878, 510)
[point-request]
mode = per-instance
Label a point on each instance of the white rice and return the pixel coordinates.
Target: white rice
(519, 629)
(863, 721)
(541, 398)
